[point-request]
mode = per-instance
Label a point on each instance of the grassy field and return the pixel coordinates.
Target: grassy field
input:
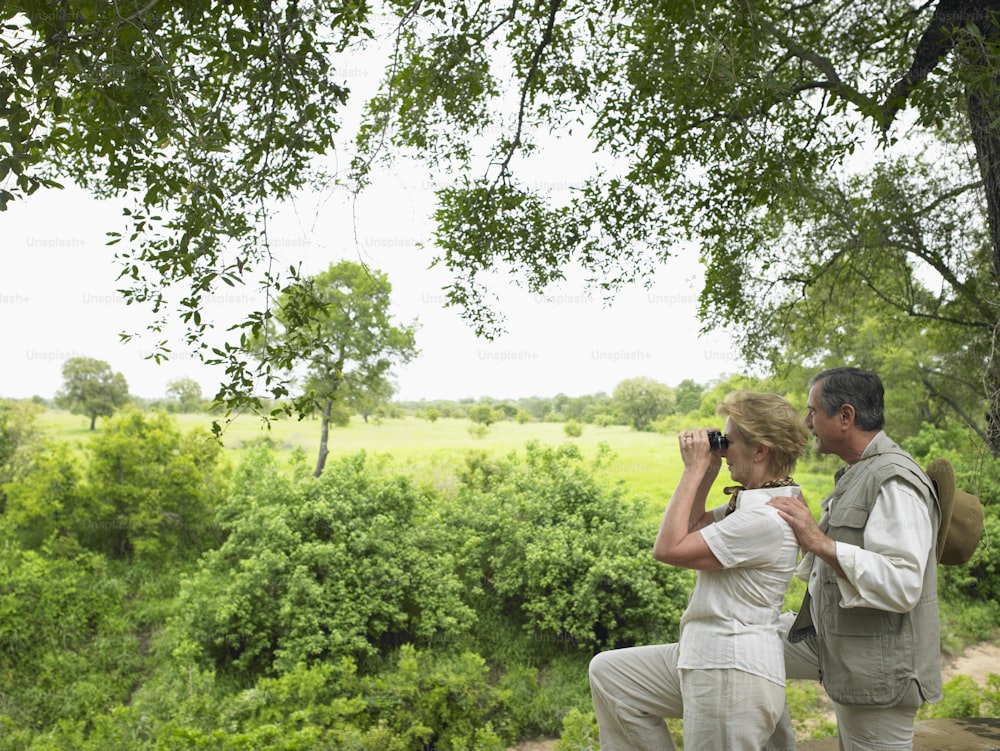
(648, 464)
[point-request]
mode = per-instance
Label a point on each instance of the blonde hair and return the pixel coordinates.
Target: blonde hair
(769, 420)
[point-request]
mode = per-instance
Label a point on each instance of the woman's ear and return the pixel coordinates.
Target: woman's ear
(761, 453)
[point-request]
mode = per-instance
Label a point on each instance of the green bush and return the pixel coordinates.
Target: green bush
(965, 621)
(318, 569)
(963, 697)
(554, 561)
(437, 701)
(579, 732)
(979, 579)
(154, 490)
(49, 505)
(67, 651)
(19, 437)
(420, 699)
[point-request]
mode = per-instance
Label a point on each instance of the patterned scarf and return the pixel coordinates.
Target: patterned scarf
(734, 491)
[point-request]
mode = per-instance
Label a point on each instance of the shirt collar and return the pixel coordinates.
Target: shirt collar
(868, 448)
(760, 496)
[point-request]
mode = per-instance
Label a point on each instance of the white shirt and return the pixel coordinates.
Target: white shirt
(732, 617)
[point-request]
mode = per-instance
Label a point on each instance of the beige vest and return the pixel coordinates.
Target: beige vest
(867, 656)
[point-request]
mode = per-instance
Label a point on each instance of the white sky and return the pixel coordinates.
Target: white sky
(59, 299)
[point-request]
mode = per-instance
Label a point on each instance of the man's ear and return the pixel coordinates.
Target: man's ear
(847, 415)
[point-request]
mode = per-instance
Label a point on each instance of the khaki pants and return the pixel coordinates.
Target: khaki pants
(723, 710)
(858, 728)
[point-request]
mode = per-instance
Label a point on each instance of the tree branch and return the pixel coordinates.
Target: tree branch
(947, 196)
(536, 58)
(954, 405)
(833, 82)
(934, 44)
(507, 18)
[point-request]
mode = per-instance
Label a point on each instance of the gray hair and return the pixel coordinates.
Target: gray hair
(862, 389)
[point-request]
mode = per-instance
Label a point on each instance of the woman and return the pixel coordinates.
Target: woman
(726, 676)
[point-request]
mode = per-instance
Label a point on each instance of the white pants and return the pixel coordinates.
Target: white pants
(858, 728)
(634, 689)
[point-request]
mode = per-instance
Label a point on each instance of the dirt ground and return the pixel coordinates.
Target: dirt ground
(977, 662)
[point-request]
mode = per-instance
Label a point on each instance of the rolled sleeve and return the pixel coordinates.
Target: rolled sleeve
(888, 572)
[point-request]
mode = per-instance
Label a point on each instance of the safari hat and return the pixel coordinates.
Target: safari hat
(961, 516)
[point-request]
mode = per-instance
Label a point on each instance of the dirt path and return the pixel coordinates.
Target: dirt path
(977, 662)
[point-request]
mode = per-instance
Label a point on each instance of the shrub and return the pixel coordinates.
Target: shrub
(555, 561)
(153, 490)
(48, 505)
(962, 698)
(579, 732)
(67, 652)
(419, 699)
(343, 565)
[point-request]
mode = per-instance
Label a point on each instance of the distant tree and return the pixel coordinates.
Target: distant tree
(643, 400)
(508, 411)
(432, 414)
(573, 407)
(688, 394)
(573, 429)
(338, 325)
(587, 408)
(559, 404)
(91, 388)
(368, 398)
(539, 407)
(482, 414)
(186, 392)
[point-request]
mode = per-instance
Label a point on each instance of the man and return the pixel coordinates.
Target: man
(868, 627)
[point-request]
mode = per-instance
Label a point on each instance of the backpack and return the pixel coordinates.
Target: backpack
(961, 516)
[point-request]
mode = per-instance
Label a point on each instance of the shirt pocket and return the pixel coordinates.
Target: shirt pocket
(861, 621)
(847, 517)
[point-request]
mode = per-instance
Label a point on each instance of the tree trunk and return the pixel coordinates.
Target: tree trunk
(984, 112)
(324, 435)
(93, 421)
